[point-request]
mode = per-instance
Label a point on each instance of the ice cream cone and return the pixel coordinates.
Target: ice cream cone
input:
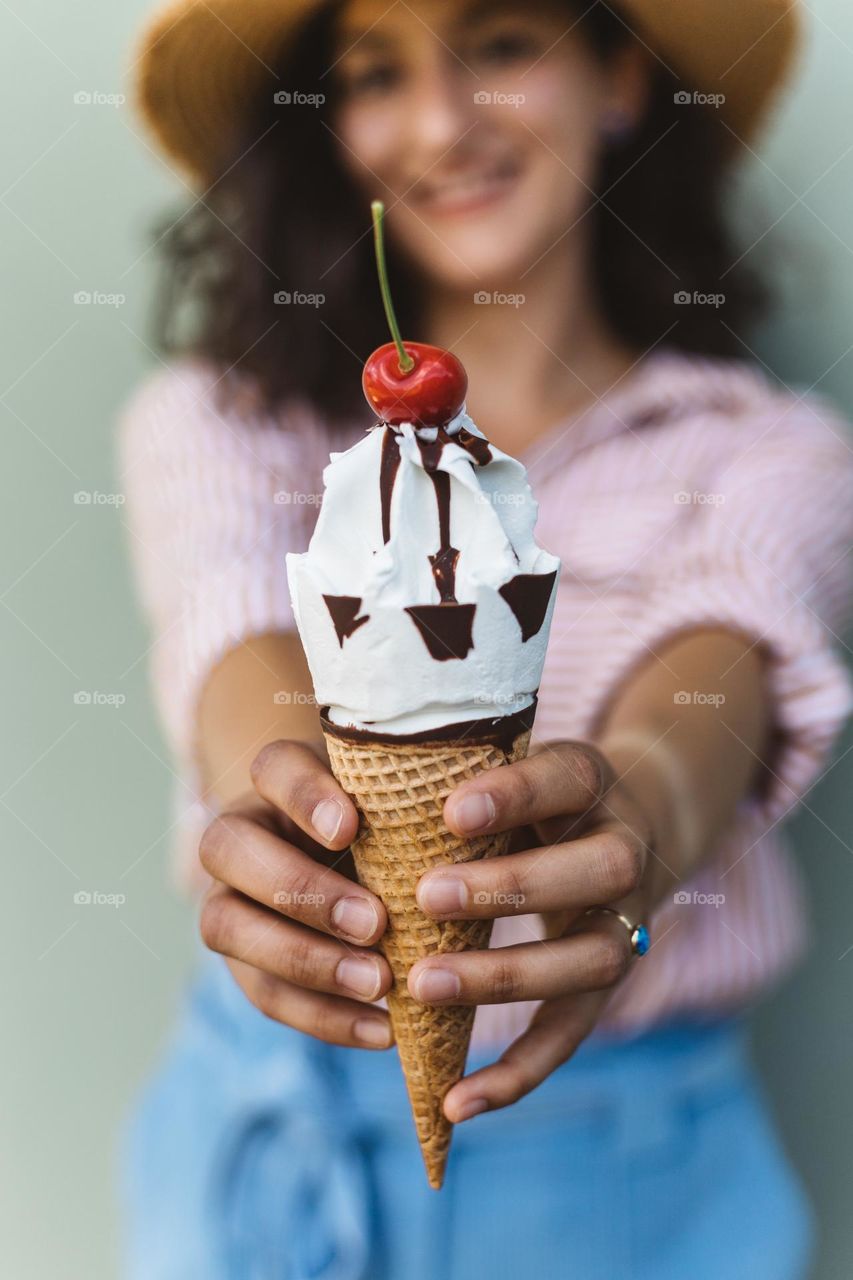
(399, 786)
(423, 603)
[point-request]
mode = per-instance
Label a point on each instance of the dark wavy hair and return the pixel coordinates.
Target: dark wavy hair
(284, 217)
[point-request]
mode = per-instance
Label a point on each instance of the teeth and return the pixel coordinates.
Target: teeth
(467, 187)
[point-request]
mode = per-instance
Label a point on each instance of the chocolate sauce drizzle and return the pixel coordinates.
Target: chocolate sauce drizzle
(528, 594)
(388, 468)
(444, 560)
(446, 628)
(500, 730)
(478, 448)
(343, 610)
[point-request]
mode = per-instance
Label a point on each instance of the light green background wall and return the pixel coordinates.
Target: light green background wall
(87, 990)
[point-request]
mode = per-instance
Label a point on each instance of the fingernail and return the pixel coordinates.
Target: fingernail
(437, 984)
(327, 818)
(356, 917)
(474, 811)
(473, 1108)
(359, 976)
(442, 895)
(372, 1031)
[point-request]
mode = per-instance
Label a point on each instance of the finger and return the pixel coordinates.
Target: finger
(557, 1029)
(562, 779)
(257, 862)
(236, 927)
(331, 1018)
(602, 867)
(594, 957)
(290, 776)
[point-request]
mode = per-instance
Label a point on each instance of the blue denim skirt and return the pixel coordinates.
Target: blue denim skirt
(257, 1153)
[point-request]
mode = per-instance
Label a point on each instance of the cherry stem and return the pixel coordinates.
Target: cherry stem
(406, 363)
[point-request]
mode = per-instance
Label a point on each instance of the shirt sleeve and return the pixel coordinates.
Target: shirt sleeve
(215, 498)
(766, 555)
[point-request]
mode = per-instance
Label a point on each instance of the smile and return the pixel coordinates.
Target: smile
(469, 192)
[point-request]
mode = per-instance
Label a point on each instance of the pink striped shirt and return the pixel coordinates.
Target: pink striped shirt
(694, 494)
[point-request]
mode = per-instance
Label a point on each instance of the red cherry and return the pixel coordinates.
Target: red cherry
(411, 381)
(429, 394)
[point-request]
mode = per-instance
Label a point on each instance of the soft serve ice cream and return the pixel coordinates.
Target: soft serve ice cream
(423, 599)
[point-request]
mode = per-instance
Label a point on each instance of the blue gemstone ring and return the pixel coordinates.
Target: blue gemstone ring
(638, 933)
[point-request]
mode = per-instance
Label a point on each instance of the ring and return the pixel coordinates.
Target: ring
(638, 933)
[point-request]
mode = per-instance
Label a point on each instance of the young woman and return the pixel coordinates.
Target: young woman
(553, 177)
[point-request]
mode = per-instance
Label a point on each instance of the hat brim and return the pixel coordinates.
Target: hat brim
(738, 52)
(201, 62)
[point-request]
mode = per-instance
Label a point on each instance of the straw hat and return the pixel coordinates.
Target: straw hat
(202, 61)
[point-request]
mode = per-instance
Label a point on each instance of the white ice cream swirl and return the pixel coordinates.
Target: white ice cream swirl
(423, 599)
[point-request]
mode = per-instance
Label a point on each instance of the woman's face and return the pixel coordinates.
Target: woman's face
(479, 124)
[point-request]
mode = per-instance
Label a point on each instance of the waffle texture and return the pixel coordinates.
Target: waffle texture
(399, 790)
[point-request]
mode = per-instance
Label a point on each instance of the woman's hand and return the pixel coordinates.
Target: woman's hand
(593, 850)
(280, 903)
(295, 929)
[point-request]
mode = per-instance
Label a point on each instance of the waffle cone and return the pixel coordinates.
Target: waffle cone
(399, 788)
